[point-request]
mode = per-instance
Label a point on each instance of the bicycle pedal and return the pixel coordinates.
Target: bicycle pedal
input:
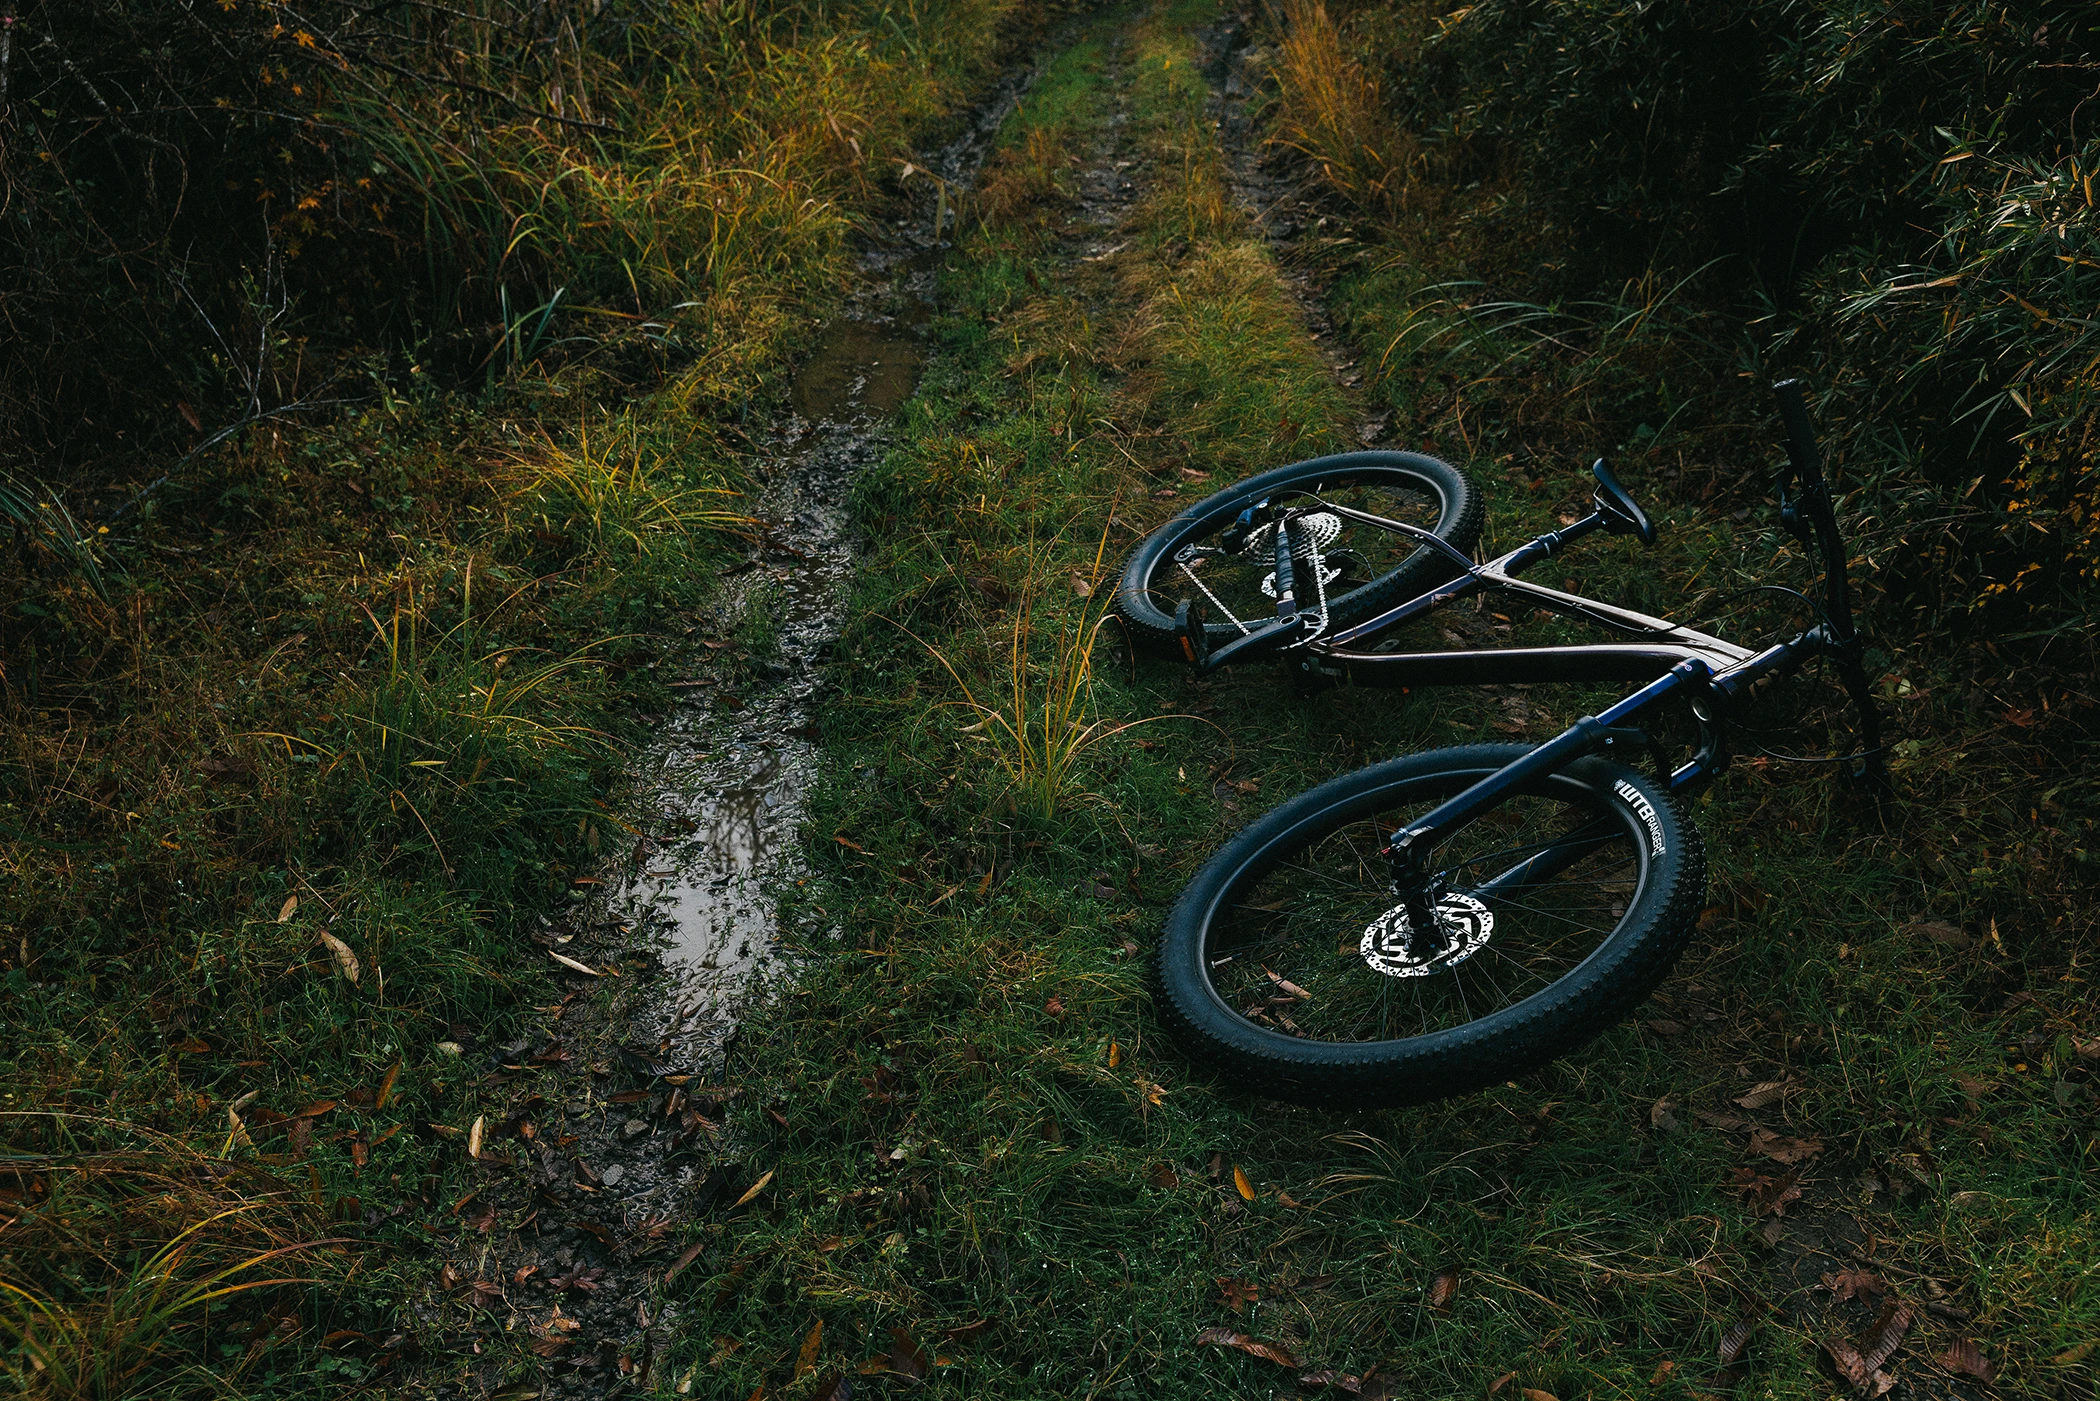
(1192, 631)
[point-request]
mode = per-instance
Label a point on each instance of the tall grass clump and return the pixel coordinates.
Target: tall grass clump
(119, 1258)
(1331, 111)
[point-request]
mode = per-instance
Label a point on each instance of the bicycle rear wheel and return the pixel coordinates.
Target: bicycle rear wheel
(1367, 569)
(1288, 963)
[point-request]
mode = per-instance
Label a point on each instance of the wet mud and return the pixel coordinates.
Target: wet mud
(613, 1141)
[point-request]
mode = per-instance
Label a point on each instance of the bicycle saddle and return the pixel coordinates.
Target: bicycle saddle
(1622, 514)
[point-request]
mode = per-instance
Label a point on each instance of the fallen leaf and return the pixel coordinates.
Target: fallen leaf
(1115, 1055)
(1238, 1293)
(849, 845)
(686, 1257)
(1854, 1369)
(1327, 1376)
(1055, 1007)
(906, 1358)
(567, 962)
(386, 1086)
(344, 959)
(806, 1360)
(474, 1136)
(1662, 1115)
(1225, 1337)
(1239, 1180)
(838, 1387)
(1769, 1196)
(1880, 1342)
(1532, 1393)
(1782, 1149)
(2071, 1357)
(1770, 1092)
(316, 1109)
(1080, 586)
(1663, 1026)
(967, 1332)
(1163, 1175)
(753, 1190)
(1972, 1088)
(1738, 1336)
(1443, 1289)
(1664, 1370)
(1853, 1282)
(288, 908)
(1498, 1383)
(1726, 1123)
(1940, 931)
(1963, 1356)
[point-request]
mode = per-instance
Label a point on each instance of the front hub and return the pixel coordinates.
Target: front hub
(1395, 944)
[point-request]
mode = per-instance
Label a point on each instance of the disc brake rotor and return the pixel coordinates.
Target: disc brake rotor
(1392, 946)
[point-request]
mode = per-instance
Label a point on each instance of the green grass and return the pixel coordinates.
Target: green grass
(969, 1111)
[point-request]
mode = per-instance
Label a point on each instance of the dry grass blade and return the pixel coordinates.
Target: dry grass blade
(156, 1241)
(1046, 723)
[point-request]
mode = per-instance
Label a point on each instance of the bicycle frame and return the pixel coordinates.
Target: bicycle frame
(1674, 661)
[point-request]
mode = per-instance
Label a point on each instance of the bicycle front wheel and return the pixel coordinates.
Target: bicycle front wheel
(1289, 963)
(1365, 569)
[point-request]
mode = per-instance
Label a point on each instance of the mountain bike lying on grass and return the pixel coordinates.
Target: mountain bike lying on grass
(1441, 922)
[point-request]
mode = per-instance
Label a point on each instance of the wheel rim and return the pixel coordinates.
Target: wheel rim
(1318, 947)
(1241, 584)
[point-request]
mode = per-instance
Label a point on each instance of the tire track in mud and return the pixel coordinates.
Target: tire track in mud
(611, 1141)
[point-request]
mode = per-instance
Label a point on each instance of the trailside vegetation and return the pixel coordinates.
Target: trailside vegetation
(376, 393)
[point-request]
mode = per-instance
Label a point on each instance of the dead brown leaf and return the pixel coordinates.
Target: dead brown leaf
(1239, 1181)
(1854, 1369)
(1498, 1383)
(1853, 1282)
(1532, 1393)
(907, 1360)
(1238, 1293)
(1962, 1355)
(1253, 1347)
(686, 1257)
(1781, 1149)
(1770, 1092)
(289, 908)
(1163, 1175)
(1664, 1370)
(1939, 931)
(1738, 1335)
(968, 1332)
(837, 1387)
(1443, 1289)
(1880, 1342)
(345, 960)
(806, 1360)
(1767, 1196)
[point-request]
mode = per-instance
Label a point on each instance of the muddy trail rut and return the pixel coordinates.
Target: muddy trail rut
(613, 1134)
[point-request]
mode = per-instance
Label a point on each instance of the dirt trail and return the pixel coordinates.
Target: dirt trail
(612, 1142)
